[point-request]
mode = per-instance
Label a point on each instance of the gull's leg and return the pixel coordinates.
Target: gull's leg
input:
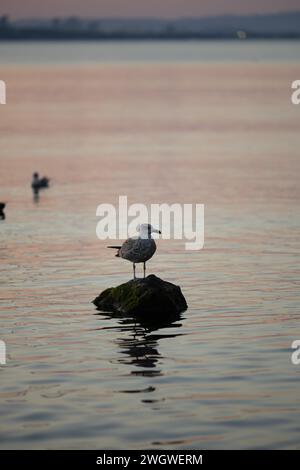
(144, 269)
(134, 271)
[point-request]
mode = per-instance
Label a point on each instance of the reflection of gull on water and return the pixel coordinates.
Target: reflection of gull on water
(138, 345)
(138, 249)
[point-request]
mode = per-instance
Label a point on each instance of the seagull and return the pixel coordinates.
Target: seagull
(140, 248)
(2, 213)
(39, 183)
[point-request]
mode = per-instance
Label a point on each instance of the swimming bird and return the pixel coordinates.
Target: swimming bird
(138, 249)
(39, 183)
(2, 213)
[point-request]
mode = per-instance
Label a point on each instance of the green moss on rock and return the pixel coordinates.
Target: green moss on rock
(143, 297)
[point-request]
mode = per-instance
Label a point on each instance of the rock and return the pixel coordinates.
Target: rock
(149, 297)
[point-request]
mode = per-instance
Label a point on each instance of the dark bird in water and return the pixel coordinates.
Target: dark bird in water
(138, 249)
(2, 213)
(39, 183)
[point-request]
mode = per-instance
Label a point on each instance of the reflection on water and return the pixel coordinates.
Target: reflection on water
(36, 197)
(139, 347)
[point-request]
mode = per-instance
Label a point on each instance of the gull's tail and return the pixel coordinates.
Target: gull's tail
(116, 248)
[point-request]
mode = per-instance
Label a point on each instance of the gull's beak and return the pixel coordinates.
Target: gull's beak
(156, 231)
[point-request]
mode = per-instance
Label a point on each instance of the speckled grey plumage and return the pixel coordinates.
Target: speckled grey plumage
(137, 250)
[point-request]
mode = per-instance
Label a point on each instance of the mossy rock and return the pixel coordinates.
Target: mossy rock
(143, 298)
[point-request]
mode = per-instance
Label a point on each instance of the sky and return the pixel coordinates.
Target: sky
(134, 8)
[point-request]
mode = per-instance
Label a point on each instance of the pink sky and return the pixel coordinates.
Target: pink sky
(166, 8)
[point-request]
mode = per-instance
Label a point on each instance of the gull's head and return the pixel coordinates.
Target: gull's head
(145, 230)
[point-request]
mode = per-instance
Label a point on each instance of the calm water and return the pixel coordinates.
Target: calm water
(146, 51)
(218, 129)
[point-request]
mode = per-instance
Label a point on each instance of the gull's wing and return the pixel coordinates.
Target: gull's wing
(130, 248)
(137, 250)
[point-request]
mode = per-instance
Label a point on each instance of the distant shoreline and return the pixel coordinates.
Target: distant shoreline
(142, 38)
(275, 26)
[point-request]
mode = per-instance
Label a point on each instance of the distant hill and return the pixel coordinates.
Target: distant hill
(267, 26)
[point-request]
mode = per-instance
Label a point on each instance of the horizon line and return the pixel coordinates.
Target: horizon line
(163, 18)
